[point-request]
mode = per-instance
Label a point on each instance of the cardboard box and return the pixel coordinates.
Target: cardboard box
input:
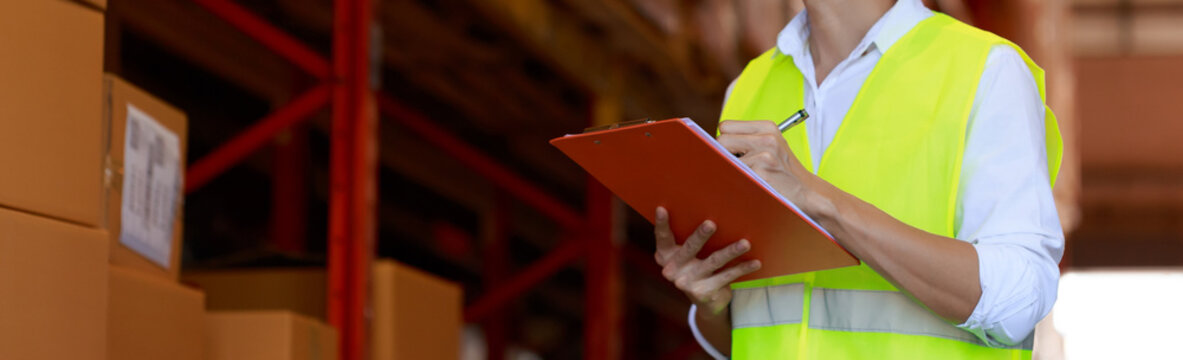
(51, 68)
(150, 245)
(301, 290)
(416, 315)
(99, 5)
(150, 318)
(267, 335)
(53, 288)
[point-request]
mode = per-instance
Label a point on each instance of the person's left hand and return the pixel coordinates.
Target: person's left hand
(762, 147)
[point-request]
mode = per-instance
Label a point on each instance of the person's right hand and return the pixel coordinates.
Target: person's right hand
(704, 283)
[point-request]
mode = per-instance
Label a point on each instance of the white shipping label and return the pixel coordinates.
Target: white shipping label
(151, 185)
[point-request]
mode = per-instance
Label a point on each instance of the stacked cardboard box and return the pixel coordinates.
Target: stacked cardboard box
(73, 173)
(51, 65)
(266, 314)
(53, 255)
(299, 290)
(90, 207)
(153, 318)
(101, 5)
(53, 288)
(143, 169)
(89, 200)
(268, 335)
(150, 314)
(415, 315)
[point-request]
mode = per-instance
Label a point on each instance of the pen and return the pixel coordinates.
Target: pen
(793, 120)
(797, 118)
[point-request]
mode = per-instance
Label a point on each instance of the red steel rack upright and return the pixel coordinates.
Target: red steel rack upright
(353, 187)
(344, 82)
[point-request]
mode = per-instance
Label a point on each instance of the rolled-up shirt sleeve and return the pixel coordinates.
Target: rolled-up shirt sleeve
(1006, 208)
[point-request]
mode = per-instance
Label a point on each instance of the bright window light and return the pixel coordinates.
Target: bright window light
(1121, 314)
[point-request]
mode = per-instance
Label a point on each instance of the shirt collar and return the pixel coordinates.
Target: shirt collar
(894, 24)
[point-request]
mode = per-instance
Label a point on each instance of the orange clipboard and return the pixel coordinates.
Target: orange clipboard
(674, 163)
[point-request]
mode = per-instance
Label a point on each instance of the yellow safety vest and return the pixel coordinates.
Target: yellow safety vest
(899, 148)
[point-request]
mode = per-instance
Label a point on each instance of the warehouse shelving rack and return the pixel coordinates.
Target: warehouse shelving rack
(343, 83)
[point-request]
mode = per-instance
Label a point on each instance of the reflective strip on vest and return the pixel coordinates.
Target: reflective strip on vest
(767, 306)
(846, 310)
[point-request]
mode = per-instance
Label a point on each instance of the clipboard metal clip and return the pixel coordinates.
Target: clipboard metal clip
(617, 125)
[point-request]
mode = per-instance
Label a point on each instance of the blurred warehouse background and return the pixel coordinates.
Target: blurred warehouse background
(469, 190)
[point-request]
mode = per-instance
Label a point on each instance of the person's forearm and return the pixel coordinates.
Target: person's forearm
(715, 328)
(940, 272)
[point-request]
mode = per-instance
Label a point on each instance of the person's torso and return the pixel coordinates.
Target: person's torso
(898, 147)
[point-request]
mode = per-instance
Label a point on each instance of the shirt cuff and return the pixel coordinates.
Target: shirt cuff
(702, 341)
(1016, 290)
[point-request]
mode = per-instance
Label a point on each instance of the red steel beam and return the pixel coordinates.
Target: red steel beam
(513, 287)
(340, 176)
(271, 37)
(339, 181)
(365, 184)
(339, 221)
(486, 166)
(233, 151)
(604, 316)
(353, 181)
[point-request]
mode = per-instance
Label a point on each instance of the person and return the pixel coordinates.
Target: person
(929, 155)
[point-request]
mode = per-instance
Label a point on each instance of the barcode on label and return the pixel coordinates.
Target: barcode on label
(133, 135)
(151, 178)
